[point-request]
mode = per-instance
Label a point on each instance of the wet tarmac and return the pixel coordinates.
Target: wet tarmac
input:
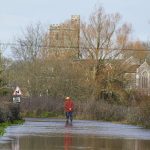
(55, 134)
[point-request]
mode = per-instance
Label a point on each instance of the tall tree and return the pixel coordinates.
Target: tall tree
(103, 40)
(4, 90)
(141, 51)
(28, 46)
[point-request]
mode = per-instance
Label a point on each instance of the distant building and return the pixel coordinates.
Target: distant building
(140, 77)
(143, 78)
(65, 36)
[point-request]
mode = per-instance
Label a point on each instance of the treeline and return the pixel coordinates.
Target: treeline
(95, 79)
(92, 110)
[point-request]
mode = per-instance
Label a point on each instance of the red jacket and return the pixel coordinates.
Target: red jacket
(68, 105)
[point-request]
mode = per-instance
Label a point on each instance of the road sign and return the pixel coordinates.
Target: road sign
(16, 95)
(16, 99)
(17, 92)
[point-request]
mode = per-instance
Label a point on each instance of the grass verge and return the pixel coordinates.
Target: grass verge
(4, 125)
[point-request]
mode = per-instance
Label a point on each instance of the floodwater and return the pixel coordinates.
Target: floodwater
(53, 134)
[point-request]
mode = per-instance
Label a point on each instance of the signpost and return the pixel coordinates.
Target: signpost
(17, 95)
(16, 101)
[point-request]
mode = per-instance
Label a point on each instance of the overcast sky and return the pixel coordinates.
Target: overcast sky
(15, 15)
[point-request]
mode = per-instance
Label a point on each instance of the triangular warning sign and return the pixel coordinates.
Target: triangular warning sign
(17, 91)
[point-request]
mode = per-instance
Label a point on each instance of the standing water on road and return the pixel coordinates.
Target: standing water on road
(53, 134)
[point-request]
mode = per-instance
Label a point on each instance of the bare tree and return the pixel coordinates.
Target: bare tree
(103, 41)
(141, 52)
(28, 46)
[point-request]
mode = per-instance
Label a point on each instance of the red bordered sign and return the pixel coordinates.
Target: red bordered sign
(17, 92)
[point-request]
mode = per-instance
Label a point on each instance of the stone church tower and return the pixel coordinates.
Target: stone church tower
(65, 36)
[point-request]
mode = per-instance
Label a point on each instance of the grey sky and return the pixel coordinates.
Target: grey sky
(15, 15)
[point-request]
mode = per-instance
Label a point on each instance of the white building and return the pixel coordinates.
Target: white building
(140, 77)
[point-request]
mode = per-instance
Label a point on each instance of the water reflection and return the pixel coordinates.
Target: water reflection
(67, 137)
(15, 144)
(69, 141)
(88, 135)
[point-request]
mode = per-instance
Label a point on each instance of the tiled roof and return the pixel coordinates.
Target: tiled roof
(132, 69)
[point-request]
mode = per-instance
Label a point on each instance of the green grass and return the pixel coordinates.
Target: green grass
(4, 125)
(43, 115)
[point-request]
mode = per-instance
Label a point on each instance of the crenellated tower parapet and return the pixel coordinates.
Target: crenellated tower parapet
(65, 35)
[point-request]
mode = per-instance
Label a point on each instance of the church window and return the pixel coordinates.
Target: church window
(145, 80)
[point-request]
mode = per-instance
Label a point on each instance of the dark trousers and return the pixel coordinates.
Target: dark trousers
(69, 115)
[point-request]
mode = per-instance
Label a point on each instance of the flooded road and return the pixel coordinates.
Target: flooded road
(53, 134)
